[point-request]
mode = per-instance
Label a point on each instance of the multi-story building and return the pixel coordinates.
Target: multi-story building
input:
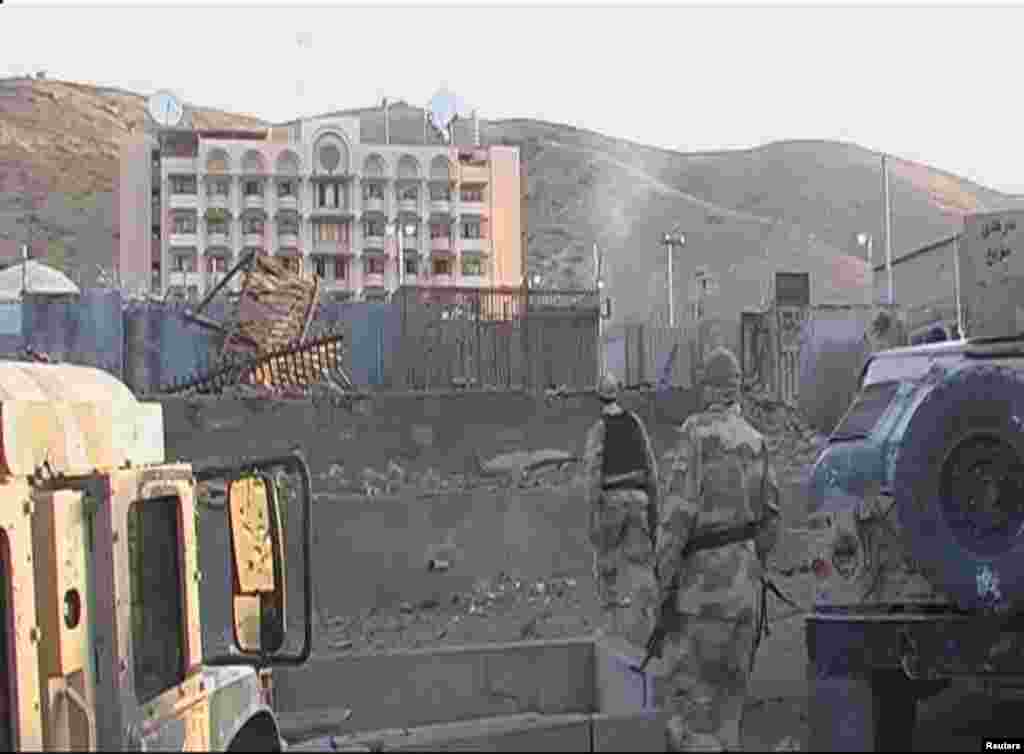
(364, 216)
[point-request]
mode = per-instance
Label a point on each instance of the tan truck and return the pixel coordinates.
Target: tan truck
(99, 577)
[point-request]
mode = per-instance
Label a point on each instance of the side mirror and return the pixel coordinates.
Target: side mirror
(257, 562)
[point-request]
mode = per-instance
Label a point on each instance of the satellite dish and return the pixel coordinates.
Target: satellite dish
(445, 107)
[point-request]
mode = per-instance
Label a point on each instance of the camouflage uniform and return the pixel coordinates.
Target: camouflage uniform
(622, 519)
(717, 476)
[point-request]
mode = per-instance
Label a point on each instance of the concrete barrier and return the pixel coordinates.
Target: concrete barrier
(374, 551)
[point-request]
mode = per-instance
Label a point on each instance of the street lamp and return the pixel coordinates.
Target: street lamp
(867, 241)
(671, 241)
(392, 230)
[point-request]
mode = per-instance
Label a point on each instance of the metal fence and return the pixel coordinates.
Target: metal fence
(653, 352)
(511, 338)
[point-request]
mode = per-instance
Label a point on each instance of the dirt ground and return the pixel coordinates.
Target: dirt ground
(501, 608)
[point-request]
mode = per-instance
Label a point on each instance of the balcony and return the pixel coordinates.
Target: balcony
(188, 240)
(332, 247)
(477, 245)
(471, 207)
(253, 201)
(253, 239)
(218, 201)
(373, 280)
(287, 240)
(178, 164)
(217, 238)
(441, 243)
(374, 242)
(411, 206)
(476, 174)
(184, 201)
(330, 210)
(185, 279)
(441, 206)
(289, 201)
(373, 204)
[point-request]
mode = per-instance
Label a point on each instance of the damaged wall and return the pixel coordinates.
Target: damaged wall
(374, 550)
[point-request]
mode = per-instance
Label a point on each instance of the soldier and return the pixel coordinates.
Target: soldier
(718, 521)
(621, 477)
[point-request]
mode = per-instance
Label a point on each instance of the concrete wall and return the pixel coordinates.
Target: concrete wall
(529, 533)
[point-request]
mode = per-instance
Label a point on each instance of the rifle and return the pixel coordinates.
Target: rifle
(708, 540)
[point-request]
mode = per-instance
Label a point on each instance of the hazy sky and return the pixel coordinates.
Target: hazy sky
(929, 84)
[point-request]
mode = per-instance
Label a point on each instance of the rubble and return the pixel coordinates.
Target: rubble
(520, 462)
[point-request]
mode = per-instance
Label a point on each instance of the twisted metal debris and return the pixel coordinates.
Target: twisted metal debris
(297, 367)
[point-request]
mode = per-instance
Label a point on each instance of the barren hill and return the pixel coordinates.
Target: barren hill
(59, 142)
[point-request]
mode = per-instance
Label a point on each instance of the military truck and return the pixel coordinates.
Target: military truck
(99, 577)
(919, 502)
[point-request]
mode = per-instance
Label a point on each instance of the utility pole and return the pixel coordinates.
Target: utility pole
(888, 227)
(672, 240)
(602, 357)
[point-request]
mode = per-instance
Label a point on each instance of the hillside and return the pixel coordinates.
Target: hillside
(60, 140)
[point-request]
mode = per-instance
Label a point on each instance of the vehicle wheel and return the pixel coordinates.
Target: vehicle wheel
(959, 486)
(876, 712)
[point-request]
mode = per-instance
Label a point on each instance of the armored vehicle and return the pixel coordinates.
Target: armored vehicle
(99, 577)
(919, 498)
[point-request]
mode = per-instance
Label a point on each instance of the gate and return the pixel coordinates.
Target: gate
(789, 331)
(495, 337)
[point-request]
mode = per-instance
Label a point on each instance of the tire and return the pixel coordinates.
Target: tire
(958, 479)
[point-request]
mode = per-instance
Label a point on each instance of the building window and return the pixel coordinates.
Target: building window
(286, 188)
(252, 225)
(374, 265)
(216, 226)
(410, 194)
(254, 188)
(373, 191)
(472, 266)
(218, 188)
(330, 232)
(471, 229)
(157, 607)
(439, 230)
(373, 228)
(288, 224)
(442, 267)
(472, 195)
(183, 184)
(216, 264)
(412, 266)
(341, 269)
(441, 193)
(328, 195)
(320, 266)
(184, 223)
(184, 263)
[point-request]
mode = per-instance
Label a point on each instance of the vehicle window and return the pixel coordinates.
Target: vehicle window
(910, 369)
(158, 635)
(7, 675)
(866, 410)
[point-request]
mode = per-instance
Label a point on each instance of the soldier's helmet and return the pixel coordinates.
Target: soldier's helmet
(722, 370)
(608, 387)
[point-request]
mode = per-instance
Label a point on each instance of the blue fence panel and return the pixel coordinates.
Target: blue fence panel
(86, 330)
(11, 339)
(186, 349)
